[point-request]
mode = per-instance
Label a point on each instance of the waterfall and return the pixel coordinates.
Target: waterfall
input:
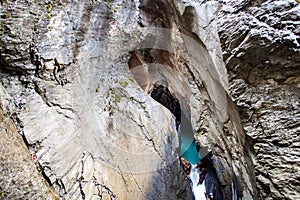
(189, 152)
(199, 189)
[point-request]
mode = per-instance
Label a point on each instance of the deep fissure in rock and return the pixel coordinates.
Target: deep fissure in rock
(199, 168)
(163, 96)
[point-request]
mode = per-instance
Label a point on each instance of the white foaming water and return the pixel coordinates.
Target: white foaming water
(198, 190)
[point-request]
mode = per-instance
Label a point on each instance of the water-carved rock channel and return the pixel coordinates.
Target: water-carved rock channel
(196, 163)
(204, 185)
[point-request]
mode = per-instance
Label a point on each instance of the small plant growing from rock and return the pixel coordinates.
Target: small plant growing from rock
(124, 84)
(131, 79)
(116, 8)
(110, 4)
(1, 29)
(113, 98)
(94, 2)
(49, 8)
(97, 88)
(117, 98)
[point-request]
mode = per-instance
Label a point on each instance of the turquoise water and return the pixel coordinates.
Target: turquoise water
(188, 150)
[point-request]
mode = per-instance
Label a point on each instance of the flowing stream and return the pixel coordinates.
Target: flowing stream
(190, 152)
(157, 82)
(199, 189)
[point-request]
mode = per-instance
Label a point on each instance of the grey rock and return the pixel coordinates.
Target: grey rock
(19, 176)
(80, 75)
(260, 41)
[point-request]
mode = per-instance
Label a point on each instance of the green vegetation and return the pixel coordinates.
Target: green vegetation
(49, 9)
(2, 28)
(113, 95)
(110, 4)
(111, 91)
(110, 110)
(131, 79)
(38, 2)
(117, 98)
(94, 2)
(116, 8)
(124, 84)
(113, 98)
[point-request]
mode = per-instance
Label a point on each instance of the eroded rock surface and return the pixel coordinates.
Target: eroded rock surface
(260, 41)
(19, 177)
(81, 74)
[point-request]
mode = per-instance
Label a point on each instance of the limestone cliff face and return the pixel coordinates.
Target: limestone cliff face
(19, 177)
(260, 41)
(81, 78)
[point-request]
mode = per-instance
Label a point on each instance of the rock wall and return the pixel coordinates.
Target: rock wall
(260, 41)
(19, 176)
(89, 121)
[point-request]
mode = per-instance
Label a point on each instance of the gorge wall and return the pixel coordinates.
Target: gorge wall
(260, 41)
(90, 97)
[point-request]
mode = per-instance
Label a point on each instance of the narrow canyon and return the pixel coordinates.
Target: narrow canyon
(150, 99)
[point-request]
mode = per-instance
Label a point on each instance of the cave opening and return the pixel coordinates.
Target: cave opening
(162, 95)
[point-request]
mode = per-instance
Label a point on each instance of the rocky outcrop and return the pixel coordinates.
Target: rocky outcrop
(260, 41)
(93, 84)
(19, 176)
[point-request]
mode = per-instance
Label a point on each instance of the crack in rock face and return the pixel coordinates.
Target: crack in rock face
(162, 95)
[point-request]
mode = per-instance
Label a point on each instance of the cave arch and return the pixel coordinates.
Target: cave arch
(162, 95)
